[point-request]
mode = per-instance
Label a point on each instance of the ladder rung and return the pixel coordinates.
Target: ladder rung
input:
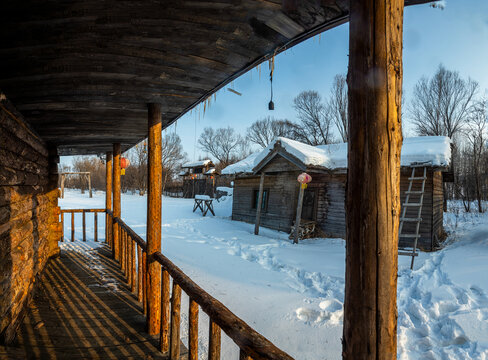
(408, 253)
(412, 204)
(418, 178)
(414, 192)
(409, 235)
(410, 219)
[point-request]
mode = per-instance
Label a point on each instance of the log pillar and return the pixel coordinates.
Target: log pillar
(373, 180)
(259, 205)
(108, 195)
(154, 182)
(116, 201)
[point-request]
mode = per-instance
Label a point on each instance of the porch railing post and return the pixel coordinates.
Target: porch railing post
(154, 218)
(116, 200)
(108, 196)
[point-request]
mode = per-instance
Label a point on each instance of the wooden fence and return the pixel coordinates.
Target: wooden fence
(83, 212)
(133, 259)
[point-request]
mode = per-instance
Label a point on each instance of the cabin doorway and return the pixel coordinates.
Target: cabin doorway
(308, 207)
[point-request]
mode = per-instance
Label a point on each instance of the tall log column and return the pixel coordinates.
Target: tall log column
(108, 195)
(154, 184)
(116, 201)
(373, 201)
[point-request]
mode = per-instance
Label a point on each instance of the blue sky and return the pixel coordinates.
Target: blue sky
(456, 37)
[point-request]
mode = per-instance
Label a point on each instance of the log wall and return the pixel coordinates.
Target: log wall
(29, 214)
(282, 200)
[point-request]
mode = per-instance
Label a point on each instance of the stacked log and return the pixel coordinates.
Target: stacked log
(29, 214)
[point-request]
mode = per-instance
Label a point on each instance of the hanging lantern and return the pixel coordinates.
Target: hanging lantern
(304, 179)
(124, 163)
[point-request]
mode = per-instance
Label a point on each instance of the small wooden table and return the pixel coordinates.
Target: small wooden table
(204, 203)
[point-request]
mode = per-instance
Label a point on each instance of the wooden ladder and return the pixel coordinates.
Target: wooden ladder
(409, 204)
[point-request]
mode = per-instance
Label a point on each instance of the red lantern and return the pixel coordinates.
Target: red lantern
(304, 179)
(124, 163)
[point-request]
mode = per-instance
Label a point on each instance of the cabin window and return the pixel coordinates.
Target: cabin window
(255, 199)
(197, 170)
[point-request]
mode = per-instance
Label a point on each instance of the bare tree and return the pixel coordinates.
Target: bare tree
(442, 105)
(477, 139)
(172, 156)
(315, 119)
(224, 144)
(135, 177)
(263, 131)
(338, 105)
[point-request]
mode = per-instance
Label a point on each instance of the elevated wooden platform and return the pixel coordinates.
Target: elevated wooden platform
(83, 309)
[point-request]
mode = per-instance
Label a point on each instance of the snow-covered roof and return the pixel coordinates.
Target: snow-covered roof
(183, 173)
(433, 149)
(197, 163)
(210, 171)
(244, 166)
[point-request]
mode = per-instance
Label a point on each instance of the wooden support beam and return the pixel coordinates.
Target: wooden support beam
(62, 186)
(62, 227)
(373, 188)
(132, 265)
(165, 312)
(108, 196)
(299, 213)
(139, 274)
(72, 227)
(144, 282)
(84, 225)
(259, 205)
(154, 182)
(89, 185)
(116, 199)
(95, 226)
(174, 348)
(193, 330)
(214, 341)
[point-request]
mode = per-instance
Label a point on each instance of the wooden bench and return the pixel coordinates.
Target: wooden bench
(204, 203)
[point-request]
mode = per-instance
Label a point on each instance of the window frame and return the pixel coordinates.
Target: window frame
(255, 197)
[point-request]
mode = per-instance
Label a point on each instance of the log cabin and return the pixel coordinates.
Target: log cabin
(198, 178)
(324, 199)
(96, 77)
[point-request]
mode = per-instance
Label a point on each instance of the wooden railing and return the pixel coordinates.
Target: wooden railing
(132, 255)
(83, 212)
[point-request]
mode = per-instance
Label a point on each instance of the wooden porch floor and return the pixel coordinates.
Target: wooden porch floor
(83, 309)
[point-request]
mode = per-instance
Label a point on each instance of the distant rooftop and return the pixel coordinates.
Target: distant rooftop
(199, 163)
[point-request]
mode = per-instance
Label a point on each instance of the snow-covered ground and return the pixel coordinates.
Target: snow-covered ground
(293, 294)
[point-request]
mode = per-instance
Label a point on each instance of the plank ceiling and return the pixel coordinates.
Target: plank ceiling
(82, 71)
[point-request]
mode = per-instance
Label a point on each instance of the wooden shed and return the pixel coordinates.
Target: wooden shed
(198, 178)
(324, 198)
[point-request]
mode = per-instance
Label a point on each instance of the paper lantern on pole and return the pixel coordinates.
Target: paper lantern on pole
(304, 179)
(124, 163)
